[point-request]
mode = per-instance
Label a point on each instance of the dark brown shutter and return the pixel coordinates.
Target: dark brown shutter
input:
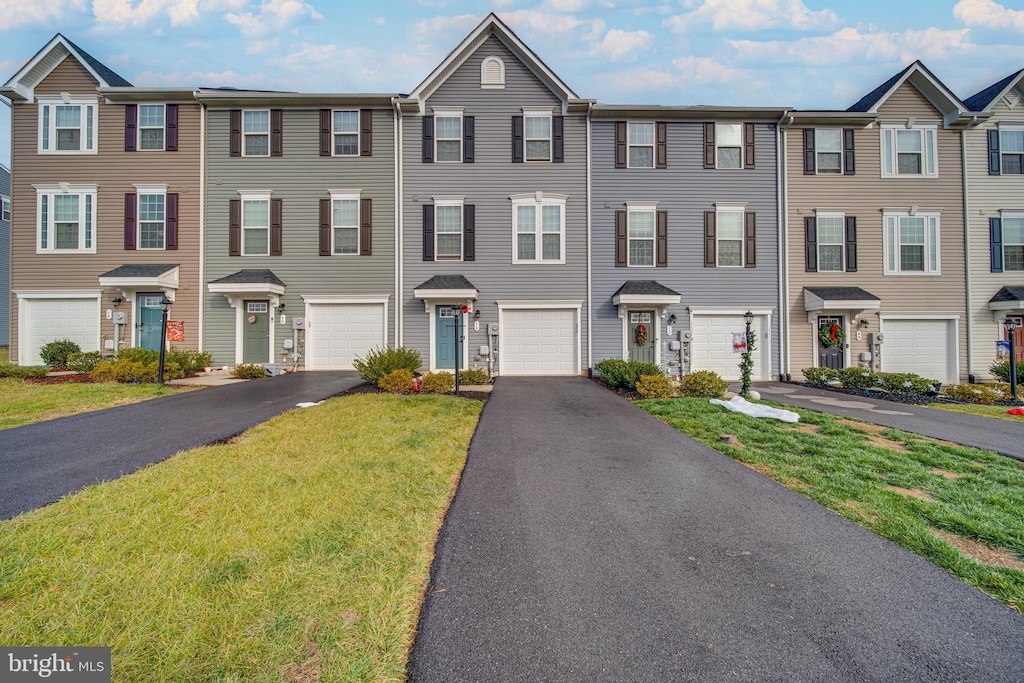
(235, 227)
(558, 139)
(661, 247)
(171, 236)
(851, 244)
(749, 132)
(995, 235)
(428, 232)
(709, 148)
(276, 135)
(661, 144)
(469, 232)
(129, 221)
(236, 132)
(810, 244)
(849, 156)
(517, 140)
(468, 139)
(710, 239)
(325, 134)
(276, 220)
(621, 240)
(810, 162)
(994, 161)
(366, 227)
(131, 117)
(366, 132)
(621, 152)
(326, 247)
(750, 223)
(428, 141)
(171, 121)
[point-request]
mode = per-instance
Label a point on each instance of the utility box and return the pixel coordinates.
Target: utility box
(485, 350)
(494, 328)
(674, 345)
(120, 318)
(876, 338)
(298, 323)
(686, 335)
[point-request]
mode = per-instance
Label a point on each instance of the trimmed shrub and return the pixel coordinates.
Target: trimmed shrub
(623, 374)
(984, 394)
(703, 383)
(22, 371)
(473, 376)
(191, 362)
(381, 361)
(909, 383)
(249, 371)
(138, 354)
(56, 353)
(83, 363)
(654, 386)
(1002, 371)
(820, 376)
(437, 382)
(859, 378)
(126, 371)
(396, 381)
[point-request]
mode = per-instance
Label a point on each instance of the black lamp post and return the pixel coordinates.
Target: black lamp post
(165, 304)
(748, 318)
(1011, 325)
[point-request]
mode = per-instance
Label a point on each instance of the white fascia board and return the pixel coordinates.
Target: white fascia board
(58, 293)
(245, 288)
(453, 294)
(539, 303)
(651, 299)
(352, 299)
(816, 303)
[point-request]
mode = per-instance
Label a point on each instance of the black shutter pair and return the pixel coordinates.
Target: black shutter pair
(365, 132)
(170, 221)
(749, 145)
(749, 239)
(468, 139)
(811, 161)
(276, 133)
(995, 233)
(235, 227)
(131, 122)
(994, 160)
(365, 228)
(468, 232)
(622, 144)
(811, 244)
(622, 239)
(557, 140)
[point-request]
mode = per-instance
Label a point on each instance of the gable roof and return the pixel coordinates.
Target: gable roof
(941, 97)
(491, 25)
(21, 86)
(983, 100)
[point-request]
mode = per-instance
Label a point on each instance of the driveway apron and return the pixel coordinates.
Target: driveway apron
(42, 462)
(589, 541)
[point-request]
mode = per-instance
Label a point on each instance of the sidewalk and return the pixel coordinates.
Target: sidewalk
(1001, 436)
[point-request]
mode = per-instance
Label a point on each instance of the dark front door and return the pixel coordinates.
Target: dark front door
(1018, 338)
(831, 354)
(256, 332)
(444, 338)
(641, 336)
(149, 321)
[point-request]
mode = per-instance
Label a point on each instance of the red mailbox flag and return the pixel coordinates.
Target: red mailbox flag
(465, 308)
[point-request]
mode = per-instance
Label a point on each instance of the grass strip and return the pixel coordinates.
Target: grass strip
(998, 412)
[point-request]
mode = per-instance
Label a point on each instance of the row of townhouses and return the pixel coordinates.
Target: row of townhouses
(888, 235)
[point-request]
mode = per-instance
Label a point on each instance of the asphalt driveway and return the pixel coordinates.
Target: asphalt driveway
(40, 463)
(589, 541)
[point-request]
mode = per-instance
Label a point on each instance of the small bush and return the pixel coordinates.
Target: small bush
(820, 376)
(191, 362)
(909, 383)
(473, 376)
(623, 374)
(138, 354)
(654, 386)
(858, 378)
(22, 371)
(437, 382)
(984, 394)
(83, 363)
(56, 353)
(703, 383)
(381, 361)
(1002, 371)
(249, 371)
(126, 371)
(396, 381)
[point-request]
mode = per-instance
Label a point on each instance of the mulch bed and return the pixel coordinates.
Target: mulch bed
(628, 394)
(368, 388)
(911, 399)
(60, 379)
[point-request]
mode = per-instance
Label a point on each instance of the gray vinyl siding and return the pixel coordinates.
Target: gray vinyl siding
(5, 263)
(300, 178)
(685, 189)
(487, 184)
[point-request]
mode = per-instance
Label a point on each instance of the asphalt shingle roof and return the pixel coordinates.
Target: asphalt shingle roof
(868, 101)
(140, 270)
(841, 293)
(447, 282)
(646, 287)
(980, 100)
(1008, 294)
(99, 67)
(251, 276)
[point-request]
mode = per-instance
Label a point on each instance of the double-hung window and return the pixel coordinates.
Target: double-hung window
(256, 133)
(828, 147)
(5, 208)
(346, 133)
(67, 126)
(537, 126)
(448, 136)
(539, 228)
(255, 225)
(729, 236)
(1011, 146)
(641, 232)
(1013, 241)
(67, 218)
(345, 222)
(641, 145)
(831, 229)
(152, 219)
(912, 243)
(152, 120)
(908, 151)
(448, 220)
(729, 145)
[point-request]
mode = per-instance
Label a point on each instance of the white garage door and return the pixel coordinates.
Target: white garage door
(712, 346)
(338, 333)
(923, 347)
(539, 342)
(44, 320)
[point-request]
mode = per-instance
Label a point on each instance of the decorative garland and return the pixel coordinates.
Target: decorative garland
(640, 334)
(831, 335)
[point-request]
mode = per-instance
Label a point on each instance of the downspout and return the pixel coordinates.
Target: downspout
(967, 253)
(590, 284)
(202, 221)
(399, 336)
(783, 209)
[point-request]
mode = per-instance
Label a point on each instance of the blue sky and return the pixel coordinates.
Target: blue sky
(800, 53)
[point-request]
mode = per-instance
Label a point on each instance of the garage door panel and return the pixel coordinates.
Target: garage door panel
(46, 320)
(919, 346)
(340, 333)
(539, 342)
(712, 346)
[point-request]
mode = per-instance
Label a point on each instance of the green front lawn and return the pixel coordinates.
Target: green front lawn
(299, 551)
(26, 402)
(955, 506)
(998, 412)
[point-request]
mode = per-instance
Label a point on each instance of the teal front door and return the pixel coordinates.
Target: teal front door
(256, 332)
(149, 321)
(641, 336)
(444, 338)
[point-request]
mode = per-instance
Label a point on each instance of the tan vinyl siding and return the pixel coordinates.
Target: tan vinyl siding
(864, 195)
(69, 76)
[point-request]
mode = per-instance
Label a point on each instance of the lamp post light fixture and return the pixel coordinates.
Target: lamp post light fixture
(165, 304)
(748, 318)
(1011, 326)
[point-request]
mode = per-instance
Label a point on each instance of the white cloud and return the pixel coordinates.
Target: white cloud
(500, 4)
(849, 45)
(10, 67)
(17, 13)
(753, 15)
(706, 70)
(439, 28)
(179, 12)
(642, 80)
(206, 79)
(568, 5)
(255, 47)
(122, 58)
(319, 67)
(988, 14)
(617, 45)
(273, 15)
(378, 21)
(552, 25)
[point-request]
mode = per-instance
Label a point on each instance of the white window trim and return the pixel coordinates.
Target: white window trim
(253, 195)
(538, 199)
(450, 201)
(1009, 214)
(653, 209)
(492, 85)
(929, 134)
(268, 133)
(139, 191)
(342, 195)
(718, 146)
(731, 208)
(449, 113)
(66, 99)
(653, 145)
(886, 248)
(335, 133)
(138, 128)
(1007, 127)
(539, 114)
(842, 239)
(5, 208)
(818, 150)
(52, 190)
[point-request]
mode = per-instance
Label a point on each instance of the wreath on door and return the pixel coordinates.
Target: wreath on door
(640, 334)
(831, 335)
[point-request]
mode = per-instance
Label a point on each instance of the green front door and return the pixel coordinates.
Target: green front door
(444, 338)
(149, 321)
(642, 328)
(256, 332)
